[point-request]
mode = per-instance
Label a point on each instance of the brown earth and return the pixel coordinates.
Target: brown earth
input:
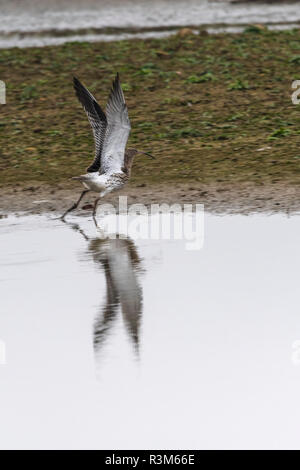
(215, 110)
(224, 198)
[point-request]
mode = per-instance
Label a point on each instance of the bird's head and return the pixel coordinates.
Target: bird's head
(129, 156)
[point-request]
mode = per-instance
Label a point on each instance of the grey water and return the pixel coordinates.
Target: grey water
(29, 23)
(140, 343)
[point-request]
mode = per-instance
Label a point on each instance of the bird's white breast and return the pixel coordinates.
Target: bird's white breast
(95, 182)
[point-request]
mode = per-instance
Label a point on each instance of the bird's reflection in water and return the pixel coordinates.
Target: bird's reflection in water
(119, 259)
(120, 262)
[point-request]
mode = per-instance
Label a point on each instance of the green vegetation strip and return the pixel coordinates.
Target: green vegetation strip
(212, 108)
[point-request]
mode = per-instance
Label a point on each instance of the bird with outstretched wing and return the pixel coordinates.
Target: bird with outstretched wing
(111, 167)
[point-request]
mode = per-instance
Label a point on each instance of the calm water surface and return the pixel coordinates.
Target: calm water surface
(142, 344)
(30, 23)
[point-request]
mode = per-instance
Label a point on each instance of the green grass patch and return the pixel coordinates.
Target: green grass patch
(203, 104)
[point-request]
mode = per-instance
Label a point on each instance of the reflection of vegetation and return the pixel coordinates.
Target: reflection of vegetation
(203, 104)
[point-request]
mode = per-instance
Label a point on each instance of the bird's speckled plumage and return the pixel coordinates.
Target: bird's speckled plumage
(97, 120)
(111, 129)
(111, 167)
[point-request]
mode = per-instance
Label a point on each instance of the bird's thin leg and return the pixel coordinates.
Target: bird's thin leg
(77, 229)
(95, 210)
(75, 205)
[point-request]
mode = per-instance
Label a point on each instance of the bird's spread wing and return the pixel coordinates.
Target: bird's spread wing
(97, 120)
(117, 132)
(108, 313)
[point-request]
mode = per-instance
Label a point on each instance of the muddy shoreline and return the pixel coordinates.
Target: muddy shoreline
(219, 199)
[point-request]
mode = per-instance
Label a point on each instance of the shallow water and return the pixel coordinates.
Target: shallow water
(124, 343)
(38, 23)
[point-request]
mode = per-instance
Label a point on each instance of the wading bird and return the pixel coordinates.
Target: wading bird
(111, 167)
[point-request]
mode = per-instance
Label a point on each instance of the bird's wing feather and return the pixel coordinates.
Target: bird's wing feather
(117, 132)
(97, 120)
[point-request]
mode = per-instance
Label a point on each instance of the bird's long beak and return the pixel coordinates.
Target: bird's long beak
(146, 153)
